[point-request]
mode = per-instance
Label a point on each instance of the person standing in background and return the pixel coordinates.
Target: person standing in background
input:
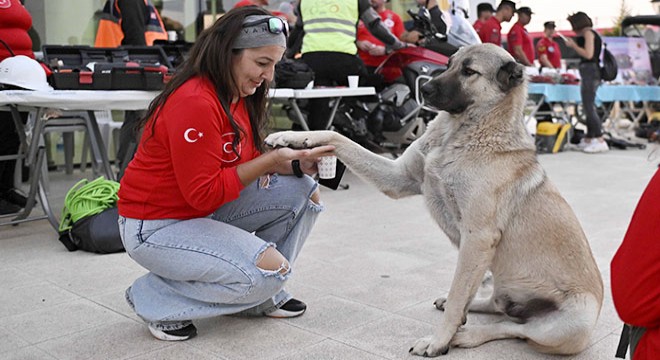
(520, 43)
(329, 32)
(140, 25)
(588, 46)
(547, 48)
(371, 50)
(15, 21)
(484, 12)
(491, 31)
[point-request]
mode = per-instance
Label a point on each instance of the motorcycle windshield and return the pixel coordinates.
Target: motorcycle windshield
(461, 33)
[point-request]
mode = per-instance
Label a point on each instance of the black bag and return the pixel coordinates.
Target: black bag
(97, 233)
(89, 217)
(610, 68)
(292, 74)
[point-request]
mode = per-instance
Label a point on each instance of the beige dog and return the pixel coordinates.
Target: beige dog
(476, 167)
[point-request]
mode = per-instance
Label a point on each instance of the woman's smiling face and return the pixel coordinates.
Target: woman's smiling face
(254, 66)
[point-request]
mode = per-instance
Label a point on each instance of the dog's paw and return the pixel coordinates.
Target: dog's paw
(294, 139)
(429, 347)
(439, 303)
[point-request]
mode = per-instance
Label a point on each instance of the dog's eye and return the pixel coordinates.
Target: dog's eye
(468, 72)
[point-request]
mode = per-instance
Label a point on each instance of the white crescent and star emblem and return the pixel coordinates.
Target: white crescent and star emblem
(191, 135)
(5, 4)
(229, 156)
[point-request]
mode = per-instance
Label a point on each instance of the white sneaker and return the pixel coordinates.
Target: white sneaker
(596, 146)
(582, 144)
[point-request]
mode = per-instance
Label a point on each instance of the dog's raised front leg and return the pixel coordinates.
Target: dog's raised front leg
(395, 178)
(475, 256)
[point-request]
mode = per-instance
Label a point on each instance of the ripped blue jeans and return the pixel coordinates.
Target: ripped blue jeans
(206, 267)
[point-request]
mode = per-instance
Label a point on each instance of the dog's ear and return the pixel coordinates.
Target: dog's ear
(510, 75)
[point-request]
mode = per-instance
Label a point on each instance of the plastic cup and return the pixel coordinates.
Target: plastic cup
(353, 81)
(327, 166)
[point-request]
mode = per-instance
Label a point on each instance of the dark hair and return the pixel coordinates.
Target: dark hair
(212, 57)
(506, 3)
(579, 21)
(484, 7)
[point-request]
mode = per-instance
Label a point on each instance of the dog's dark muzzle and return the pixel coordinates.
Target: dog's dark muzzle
(444, 94)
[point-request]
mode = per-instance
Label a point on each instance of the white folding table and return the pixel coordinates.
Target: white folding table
(337, 93)
(33, 148)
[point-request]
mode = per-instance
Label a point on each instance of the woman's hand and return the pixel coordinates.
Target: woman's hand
(308, 158)
(279, 161)
(569, 42)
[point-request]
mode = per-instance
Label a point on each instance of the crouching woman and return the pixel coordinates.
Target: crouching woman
(216, 219)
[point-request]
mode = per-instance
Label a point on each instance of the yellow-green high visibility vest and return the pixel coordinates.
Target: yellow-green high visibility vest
(330, 25)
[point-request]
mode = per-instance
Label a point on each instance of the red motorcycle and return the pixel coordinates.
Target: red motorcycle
(400, 117)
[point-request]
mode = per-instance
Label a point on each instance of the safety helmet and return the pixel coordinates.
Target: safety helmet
(23, 72)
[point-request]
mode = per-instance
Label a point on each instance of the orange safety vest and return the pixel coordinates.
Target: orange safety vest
(109, 33)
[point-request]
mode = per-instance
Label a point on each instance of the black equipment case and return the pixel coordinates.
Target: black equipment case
(176, 51)
(121, 68)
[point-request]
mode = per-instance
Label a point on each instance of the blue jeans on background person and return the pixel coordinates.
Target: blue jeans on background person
(206, 267)
(589, 83)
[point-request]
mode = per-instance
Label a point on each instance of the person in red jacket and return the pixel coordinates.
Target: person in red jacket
(484, 12)
(521, 46)
(371, 50)
(548, 50)
(15, 22)
(491, 30)
(217, 219)
(635, 273)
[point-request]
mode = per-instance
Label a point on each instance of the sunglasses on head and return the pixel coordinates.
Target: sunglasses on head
(275, 25)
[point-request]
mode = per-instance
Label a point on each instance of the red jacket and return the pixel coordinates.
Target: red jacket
(390, 20)
(185, 168)
(15, 22)
(635, 272)
(491, 32)
(518, 35)
(551, 49)
(478, 25)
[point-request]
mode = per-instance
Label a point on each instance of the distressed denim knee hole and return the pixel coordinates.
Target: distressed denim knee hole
(272, 260)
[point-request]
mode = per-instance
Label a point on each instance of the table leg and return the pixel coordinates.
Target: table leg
(536, 107)
(99, 150)
(332, 113)
(35, 164)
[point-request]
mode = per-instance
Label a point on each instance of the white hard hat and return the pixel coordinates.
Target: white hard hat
(23, 72)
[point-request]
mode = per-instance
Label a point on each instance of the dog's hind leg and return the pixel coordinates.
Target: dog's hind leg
(562, 332)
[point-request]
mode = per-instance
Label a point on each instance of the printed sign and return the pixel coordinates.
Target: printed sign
(632, 57)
